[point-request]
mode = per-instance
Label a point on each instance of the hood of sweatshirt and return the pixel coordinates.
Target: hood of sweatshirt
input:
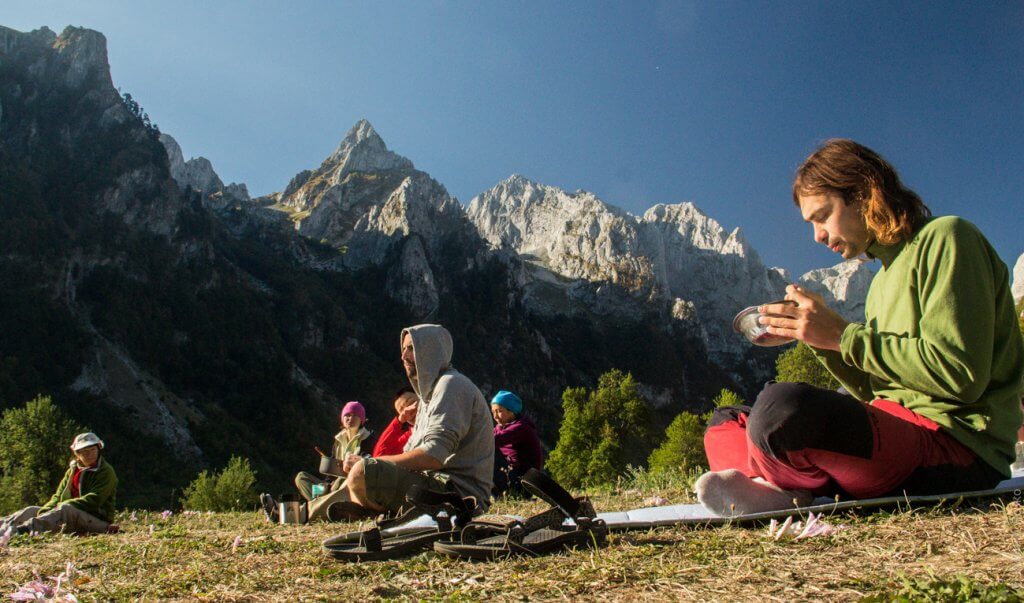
(432, 347)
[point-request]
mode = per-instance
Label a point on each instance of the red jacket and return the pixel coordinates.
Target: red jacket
(392, 439)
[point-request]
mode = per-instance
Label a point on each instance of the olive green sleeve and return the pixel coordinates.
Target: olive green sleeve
(951, 358)
(856, 381)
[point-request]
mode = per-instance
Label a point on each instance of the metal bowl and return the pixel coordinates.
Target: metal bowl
(331, 466)
(746, 323)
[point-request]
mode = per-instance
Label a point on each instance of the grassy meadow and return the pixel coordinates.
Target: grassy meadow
(945, 554)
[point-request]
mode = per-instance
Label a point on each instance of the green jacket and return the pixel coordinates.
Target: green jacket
(941, 338)
(97, 489)
(344, 446)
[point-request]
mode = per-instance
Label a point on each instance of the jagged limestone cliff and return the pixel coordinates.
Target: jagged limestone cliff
(188, 326)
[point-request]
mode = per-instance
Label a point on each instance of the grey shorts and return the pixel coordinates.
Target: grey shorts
(387, 483)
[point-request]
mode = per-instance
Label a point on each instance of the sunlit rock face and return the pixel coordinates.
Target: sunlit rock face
(362, 150)
(1018, 279)
(377, 209)
(843, 286)
(673, 255)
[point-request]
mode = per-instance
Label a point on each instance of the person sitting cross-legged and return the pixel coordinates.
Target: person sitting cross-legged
(517, 446)
(353, 438)
(934, 370)
(452, 444)
(84, 500)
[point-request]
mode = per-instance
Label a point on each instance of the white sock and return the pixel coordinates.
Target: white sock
(730, 493)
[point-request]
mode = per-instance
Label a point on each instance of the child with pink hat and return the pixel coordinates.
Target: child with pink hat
(353, 438)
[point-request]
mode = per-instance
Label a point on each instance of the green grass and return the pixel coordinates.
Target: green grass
(912, 555)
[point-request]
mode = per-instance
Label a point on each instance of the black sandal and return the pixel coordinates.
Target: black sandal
(495, 537)
(448, 510)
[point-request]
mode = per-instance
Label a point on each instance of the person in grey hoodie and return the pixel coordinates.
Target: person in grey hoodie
(452, 441)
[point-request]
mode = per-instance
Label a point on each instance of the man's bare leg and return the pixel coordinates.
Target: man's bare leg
(356, 485)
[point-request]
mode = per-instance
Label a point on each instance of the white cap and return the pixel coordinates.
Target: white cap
(84, 440)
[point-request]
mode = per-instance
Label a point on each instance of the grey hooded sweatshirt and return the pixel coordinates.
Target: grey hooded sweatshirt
(453, 423)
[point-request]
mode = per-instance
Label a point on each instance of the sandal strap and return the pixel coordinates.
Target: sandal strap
(404, 516)
(552, 518)
(547, 489)
(513, 529)
(370, 540)
(488, 525)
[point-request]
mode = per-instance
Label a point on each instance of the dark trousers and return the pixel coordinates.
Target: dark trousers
(802, 437)
(507, 479)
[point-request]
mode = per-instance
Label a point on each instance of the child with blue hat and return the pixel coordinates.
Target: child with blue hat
(516, 445)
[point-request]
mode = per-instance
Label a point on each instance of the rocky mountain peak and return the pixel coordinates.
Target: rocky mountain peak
(674, 253)
(11, 40)
(85, 52)
(76, 59)
(702, 231)
(537, 220)
(73, 67)
(198, 173)
(362, 150)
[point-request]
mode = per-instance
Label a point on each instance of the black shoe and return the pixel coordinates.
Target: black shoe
(25, 528)
(269, 507)
(349, 511)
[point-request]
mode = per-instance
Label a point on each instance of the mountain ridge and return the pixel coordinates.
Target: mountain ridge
(190, 324)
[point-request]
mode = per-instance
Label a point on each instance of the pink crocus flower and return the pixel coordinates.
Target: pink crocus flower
(798, 530)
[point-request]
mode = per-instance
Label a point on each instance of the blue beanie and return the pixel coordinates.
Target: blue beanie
(508, 400)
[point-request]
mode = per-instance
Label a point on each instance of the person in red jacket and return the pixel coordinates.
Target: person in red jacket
(396, 434)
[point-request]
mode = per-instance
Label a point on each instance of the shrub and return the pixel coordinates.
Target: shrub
(34, 452)
(801, 365)
(954, 588)
(598, 426)
(231, 489)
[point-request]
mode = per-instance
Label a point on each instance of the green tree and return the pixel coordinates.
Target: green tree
(34, 452)
(230, 489)
(597, 428)
(727, 397)
(800, 364)
(683, 446)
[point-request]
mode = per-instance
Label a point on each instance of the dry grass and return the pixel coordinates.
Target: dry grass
(936, 552)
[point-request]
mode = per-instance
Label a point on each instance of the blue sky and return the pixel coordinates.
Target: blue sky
(639, 102)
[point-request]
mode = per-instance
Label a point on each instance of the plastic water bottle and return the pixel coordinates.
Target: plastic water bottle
(1017, 468)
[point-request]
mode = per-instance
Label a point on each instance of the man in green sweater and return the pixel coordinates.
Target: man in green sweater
(84, 500)
(935, 372)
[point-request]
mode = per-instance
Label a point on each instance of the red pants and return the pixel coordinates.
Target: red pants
(802, 437)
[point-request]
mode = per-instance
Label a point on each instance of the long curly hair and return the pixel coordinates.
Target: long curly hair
(891, 211)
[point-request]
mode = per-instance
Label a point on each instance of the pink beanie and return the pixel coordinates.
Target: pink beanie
(354, 408)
